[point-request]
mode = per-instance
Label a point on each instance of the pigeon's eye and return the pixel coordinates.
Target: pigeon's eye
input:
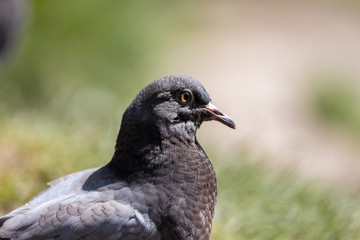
(186, 97)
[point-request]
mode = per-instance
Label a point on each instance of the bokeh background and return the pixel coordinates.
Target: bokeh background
(288, 72)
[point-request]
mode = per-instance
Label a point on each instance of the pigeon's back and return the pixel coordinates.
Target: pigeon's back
(67, 211)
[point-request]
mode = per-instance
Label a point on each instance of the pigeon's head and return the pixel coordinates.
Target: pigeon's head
(175, 106)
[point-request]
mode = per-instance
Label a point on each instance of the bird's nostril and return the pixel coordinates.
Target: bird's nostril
(217, 112)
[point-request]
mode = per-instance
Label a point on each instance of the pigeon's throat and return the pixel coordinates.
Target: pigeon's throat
(141, 147)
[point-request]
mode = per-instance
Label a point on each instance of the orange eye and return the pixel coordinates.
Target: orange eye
(186, 97)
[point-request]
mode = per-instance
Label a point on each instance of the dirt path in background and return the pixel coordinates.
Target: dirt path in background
(255, 60)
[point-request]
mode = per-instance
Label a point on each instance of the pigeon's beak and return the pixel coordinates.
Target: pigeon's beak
(213, 113)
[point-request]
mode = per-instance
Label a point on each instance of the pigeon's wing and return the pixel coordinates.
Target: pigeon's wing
(68, 185)
(78, 217)
(66, 211)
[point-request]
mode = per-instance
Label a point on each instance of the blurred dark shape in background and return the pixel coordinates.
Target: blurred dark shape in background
(12, 15)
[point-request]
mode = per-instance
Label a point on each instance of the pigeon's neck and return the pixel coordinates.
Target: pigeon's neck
(179, 167)
(146, 146)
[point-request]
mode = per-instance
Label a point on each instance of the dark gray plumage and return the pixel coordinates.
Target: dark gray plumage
(159, 184)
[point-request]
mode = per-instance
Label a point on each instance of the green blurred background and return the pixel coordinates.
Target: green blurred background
(288, 72)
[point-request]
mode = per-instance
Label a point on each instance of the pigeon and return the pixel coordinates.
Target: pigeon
(159, 184)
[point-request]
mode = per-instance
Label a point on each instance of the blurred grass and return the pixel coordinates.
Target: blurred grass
(256, 202)
(336, 102)
(34, 152)
(90, 51)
